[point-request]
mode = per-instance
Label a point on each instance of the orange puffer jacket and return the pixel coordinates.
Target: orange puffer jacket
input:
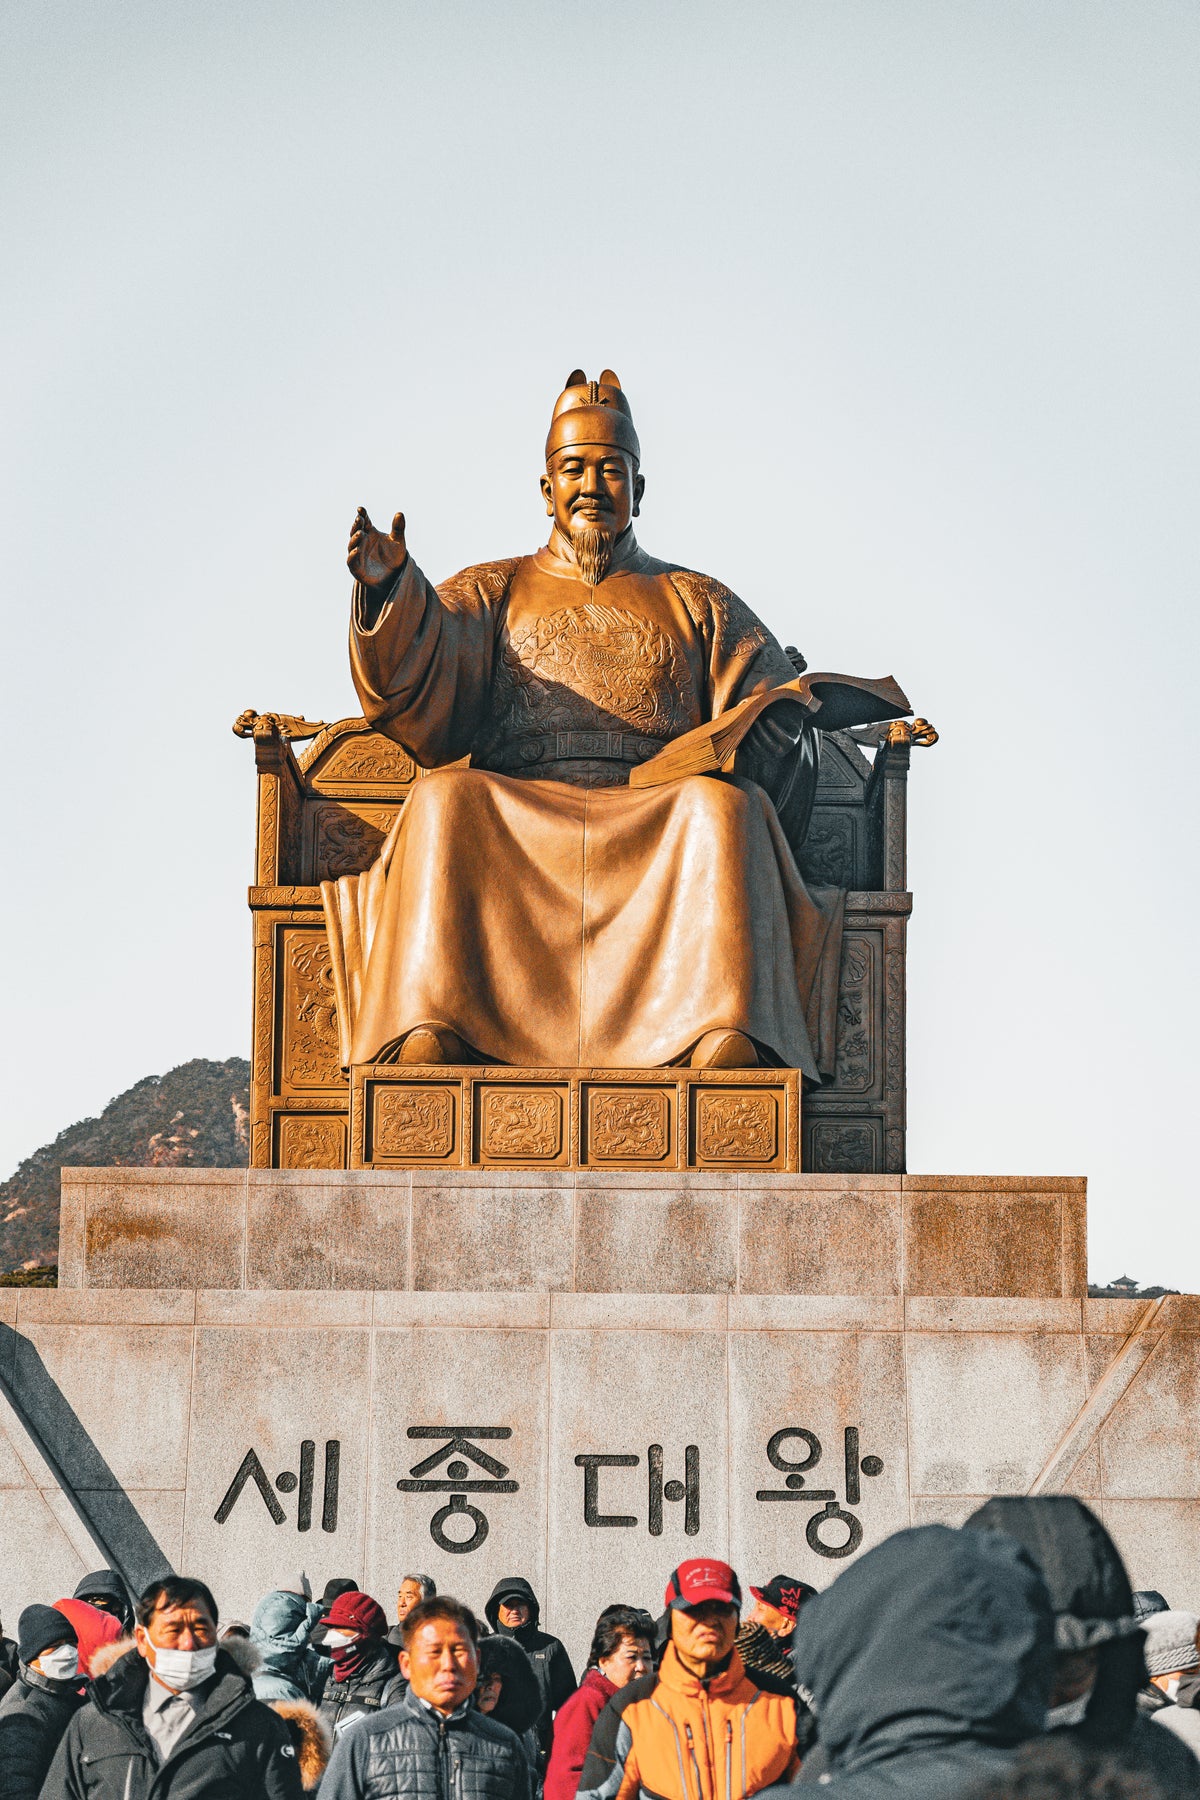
(674, 1737)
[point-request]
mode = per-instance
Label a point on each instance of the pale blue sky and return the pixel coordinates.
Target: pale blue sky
(905, 297)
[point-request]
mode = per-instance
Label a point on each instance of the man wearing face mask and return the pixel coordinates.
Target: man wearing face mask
(41, 1702)
(365, 1673)
(1173, 1652)
(175, 1716)
(1100, 1663)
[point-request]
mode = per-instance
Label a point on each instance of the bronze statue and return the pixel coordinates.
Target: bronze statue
(534, 908)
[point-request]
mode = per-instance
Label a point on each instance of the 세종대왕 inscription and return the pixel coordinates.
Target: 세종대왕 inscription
(461, 1469)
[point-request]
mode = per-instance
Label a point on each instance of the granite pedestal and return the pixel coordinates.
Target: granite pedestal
(582, 1381)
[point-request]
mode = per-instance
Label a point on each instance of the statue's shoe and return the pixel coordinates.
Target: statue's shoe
(432, 1043)
(724, 1050)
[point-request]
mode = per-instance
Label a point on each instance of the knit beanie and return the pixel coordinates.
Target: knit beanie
(1171, 1642)
(40, 1626)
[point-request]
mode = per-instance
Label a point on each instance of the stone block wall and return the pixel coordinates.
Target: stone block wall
(445, 1230)
(921, 1405)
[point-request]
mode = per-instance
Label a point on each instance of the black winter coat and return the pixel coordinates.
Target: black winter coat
(408, 1752)
(1093, 1610)
(928, 1660)
(551, 1664)
(10, 1663)
(237, 1748)
(377, 1685)
(33, 1716)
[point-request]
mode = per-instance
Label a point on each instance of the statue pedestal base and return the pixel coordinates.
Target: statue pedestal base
(244, 1368)
(629, 1119)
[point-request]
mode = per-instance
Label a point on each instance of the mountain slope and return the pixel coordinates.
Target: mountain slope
(193, 1116)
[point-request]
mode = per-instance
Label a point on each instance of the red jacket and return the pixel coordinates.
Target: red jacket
(573, 1733)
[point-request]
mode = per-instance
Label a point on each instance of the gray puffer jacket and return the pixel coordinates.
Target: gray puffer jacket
(409, 1750)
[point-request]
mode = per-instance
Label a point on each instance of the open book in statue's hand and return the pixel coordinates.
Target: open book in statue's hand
(832, 702)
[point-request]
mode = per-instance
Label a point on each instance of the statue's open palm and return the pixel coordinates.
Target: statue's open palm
(374, 556)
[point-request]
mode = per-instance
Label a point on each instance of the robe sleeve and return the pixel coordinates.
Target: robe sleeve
(743, 659)
(422, 658)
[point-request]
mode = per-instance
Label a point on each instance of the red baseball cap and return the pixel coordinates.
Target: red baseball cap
(701, 1579)
(355, 1611)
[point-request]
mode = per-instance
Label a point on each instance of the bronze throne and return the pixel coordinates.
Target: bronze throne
(325, 811)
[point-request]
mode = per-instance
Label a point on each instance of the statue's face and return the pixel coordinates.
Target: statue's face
(592, 486)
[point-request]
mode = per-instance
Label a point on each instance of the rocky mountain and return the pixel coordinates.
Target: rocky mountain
(196, 1115)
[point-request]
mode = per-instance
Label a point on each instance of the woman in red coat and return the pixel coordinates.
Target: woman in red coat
(620, 1652)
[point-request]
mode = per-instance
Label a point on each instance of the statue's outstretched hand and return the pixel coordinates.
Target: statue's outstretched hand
(374, 556)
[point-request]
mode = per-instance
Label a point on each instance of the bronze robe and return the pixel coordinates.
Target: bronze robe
(534, 902)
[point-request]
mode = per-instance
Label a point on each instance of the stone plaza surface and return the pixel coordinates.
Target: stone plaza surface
(771, 1369)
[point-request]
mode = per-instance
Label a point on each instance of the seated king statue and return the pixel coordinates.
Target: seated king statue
(529, 906)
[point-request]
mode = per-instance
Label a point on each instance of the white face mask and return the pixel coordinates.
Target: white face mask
(1069, 1714)
(337, 1640)
(61, 1663)
(183, 1669)
(1172, 1687)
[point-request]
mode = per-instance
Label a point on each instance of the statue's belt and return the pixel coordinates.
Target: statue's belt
(576, 746)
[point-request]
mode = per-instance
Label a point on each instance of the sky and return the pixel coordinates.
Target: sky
(904, 294)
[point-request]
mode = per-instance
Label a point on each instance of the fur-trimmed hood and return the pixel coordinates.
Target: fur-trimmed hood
(311, 1736)
(104, 1658)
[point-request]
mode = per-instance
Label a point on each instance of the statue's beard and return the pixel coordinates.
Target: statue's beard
(593, 547)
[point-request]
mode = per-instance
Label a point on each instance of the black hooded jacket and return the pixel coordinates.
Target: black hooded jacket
(520, 1703)
(929, 1659)
(33, 1716)
(1094, 1610)
(236, 1749)
(104, 1588)
(551, 1664)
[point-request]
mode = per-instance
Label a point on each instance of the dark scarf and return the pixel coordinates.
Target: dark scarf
(762, 1651)
(351, 1659)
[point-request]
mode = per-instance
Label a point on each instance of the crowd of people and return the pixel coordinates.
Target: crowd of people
(1006, 1660)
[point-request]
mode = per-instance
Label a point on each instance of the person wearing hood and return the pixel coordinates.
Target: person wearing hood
(41, 1702)
(280, 1630)
(929, 1660)
(1172, 1654)
(93, 1629)
(514, 1611)
(105, 1590)
(621, 1652)
(507, 1691)
(365, 1677)
(1100, 1665)
(701, 1723)
(174, 1716)
(311, 1738)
